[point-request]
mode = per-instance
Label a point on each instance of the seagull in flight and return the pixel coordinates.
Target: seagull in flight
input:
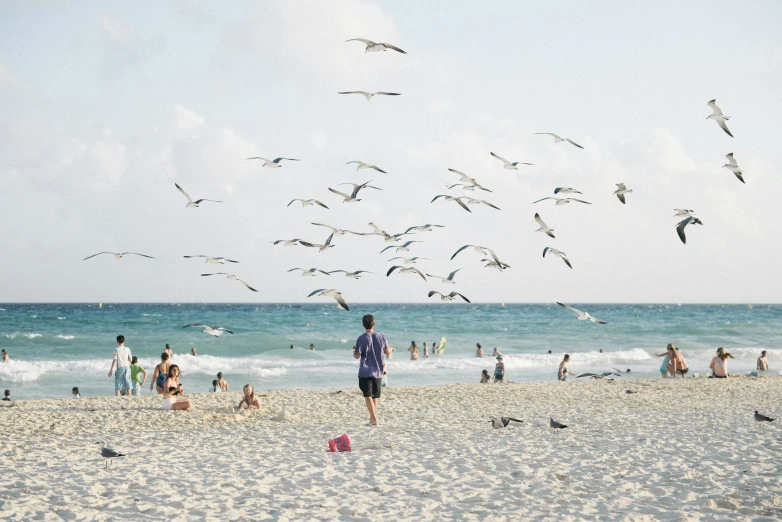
(309, 272)
(217, 331)
(562, 201)
(362, 165)
(467, 180)
(683, 212)
(558, 138)
(410, 260)
(190, 202)
(232, 277)
(108, 453)
(507, 164)
(446, 280)
(490, 263)
(485, 251)
(332, 293)
(320, 247)
(356, 188)
(621, 191)
(118, 255)
(473, 201)
(502, 422)
(287, 242)
(352, 275)
(582, 316)
(405, 247)
(543, 226)
(683, 223)
(338, 231)
(447, 297)
(374, 47)
(558, 253)
(717, 116)
(406, 270)
(423, 228)
(369, 95)
(214, 260)
(388, 238)
(272, 164)
(452, 198)
(554, 424)
(597, 376)
(566, 190)
(734, 167)
(308, 202)
(467, 187)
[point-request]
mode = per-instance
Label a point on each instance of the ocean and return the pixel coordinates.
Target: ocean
(54, 347)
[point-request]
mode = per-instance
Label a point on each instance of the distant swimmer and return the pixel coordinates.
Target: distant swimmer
(478, 350)
(312, 347)
(6, 357)
(563, 371)
(762, 362)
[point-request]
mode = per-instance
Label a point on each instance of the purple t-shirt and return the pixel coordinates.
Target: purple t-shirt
(372, 349)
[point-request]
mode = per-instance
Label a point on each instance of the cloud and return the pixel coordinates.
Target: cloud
(319, 141)
(114, 29)
(10, 78)
(186, 119)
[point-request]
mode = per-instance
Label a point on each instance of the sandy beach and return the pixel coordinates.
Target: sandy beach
(675, 450)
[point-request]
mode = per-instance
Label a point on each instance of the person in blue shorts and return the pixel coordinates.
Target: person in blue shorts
(121, 362)
(371, 349)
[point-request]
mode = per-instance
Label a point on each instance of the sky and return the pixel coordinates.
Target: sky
(106, 105)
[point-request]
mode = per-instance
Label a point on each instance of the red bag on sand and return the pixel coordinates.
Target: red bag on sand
(341, 443)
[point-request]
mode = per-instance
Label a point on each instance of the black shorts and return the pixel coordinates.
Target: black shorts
(683, 371)
(370, 386)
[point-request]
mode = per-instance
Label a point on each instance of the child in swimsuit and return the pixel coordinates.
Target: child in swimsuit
(249, 398)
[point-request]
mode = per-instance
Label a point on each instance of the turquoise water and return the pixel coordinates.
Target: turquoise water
(54, 347)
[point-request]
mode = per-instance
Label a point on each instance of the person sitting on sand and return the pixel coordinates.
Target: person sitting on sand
(719, 365)
(413, 352)
(215, 387)
(762, 362)
(136, 381)
(75, 392)
(222, 383)
(563, 371)
(160, 374)
(249, 398)
(193, 352)
(499, 370)
(478, 350)
(6, 357)
(7, 396)
(679, 365)
(170, 401)
(485, 377)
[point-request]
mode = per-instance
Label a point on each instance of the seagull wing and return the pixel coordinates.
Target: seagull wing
(432, 292)
(194, 325)
(680, 229)
(566, 260)
(346, 196)
(450, 276)
(317, 202)
(714, 106)
(596, 320)
(556, 136)
(260, 158)
(245, 283)
(544, 199)
(99, 253)
(289, 204)
(494, 256)
(388, 93)
(277, 160)
(333, 229)
(460, 295)
(215, 273)
(394, 47)
(506, 162)
(462, 175)
(488, 204)
(724, 127)
(573, 143)
(579, 312)
(621, 186)
(580, 201)
(378, 169)
(545, 251)
(188, 257)
(341, 301)
(392, 269)
(740, 176)
(419, 273)
(386, 248)
(318, 291)
(621, 198)
(363, 93)
(368, 42)
(137, 254)
(189, 199)
(462, 248)
(731, 160)
(461, 204)
(540, 221)
(212, 200)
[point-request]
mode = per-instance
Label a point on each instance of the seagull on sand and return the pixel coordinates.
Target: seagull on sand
(405, 247)
(216, 331)
(473, 201)
(374, 47)
(369, 95)
(356, 188)
(332, 293)
(272, 164)
(107, 453)
(406, 270)
(447, 297)
(566, 190)
(717, 116)
(320, 247)
(362, 165)
(507, 164)
(556, 252)
(308, 202)
(562, 201)
(683, 212)
(554, 424)
(351, 275)
(287, 242)
(688, 221)
(762, 418)
(621, 191)
(502, 422)
(232, 278)
(733, 167)
(543, 226)
(451, 198)
(558, 138)
(214, 260)
(422, 228)
(119, 255)
(598, 376)
(409, 260)
(190, 202)
(446, 280)
(338, 231)
(309, 272)
(582, 316)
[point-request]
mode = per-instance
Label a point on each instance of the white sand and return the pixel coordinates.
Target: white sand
(676, 450)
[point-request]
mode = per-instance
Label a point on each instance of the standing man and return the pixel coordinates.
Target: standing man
(121, 362)
(370, 348)
(563, 371)
(762, 362)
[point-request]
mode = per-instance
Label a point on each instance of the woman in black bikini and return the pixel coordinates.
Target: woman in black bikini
(161, 373)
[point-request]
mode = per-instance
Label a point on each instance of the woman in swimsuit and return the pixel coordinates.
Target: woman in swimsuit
(679, 365)
(719, 365)
(161, 372)
(249, 398)
(413, 352)
(170, 401)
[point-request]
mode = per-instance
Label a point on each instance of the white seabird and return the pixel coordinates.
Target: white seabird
(405, 247)
(467, 180)
(485, 251)
(582, 316)
(213, 260)
(217, 331)
(717, 116)
(508, 165)
(683, 212)
(338, 231)
(422, 228)
(374, 47)
(410, 260)
(332, 293)
(388, 238)
(562, 201)
(733, 167)
(320, 247)
(309, 272)
(107, 453)
(119, 255)
(447, 280)
(352, 275)
(559, 253)
(452, 198)
(362, 165)
(558, 138)
(370, 95)
(566, 190)
(232, 278)
(621, 191)
(272, 164)
(308, 202)
(406, 270)
(356, 188)
(473, 201)
(447, 297)
(692, 220)
(287, 242)
(190, 202)
(543, 226)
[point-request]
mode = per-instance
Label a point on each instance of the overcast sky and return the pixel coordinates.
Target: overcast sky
(106, 105)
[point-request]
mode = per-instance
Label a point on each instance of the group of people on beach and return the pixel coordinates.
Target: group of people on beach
(413, 349)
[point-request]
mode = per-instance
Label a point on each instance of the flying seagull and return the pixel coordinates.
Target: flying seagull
(502, 422)
(683, 212)
(481, 250)
(566, 190)
(447, 297)
(338, 231)
(556, 252)
(597, 376)
(213, 260)
(216, 331)
(423, 228)
(762, 418)
(473, 201)
(309, 272)
(562, 201)
(554, 424)
(582, 316)
(119, 255)
(356, 188)
(362, 165)
(451, 198)
(734, 167)
(558, 138)
(621, 191)
(308, 202)
(351, 275)
(468, 187)
(287, 242)
(718, 117)
(190, 202)
(464, 178)
(490, 263)
(320, 247)
(508, 165)
(272, 164)
(108, 453)
(369, 95)
(332, 293)
(409, 260)
(388, 238)
(374, 47)
(232, 277)
(688, 221)
(406, 270)
(543, 226)
(405, 247)
(446, 280)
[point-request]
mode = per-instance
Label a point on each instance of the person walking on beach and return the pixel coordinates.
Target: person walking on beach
(413, 351)
(762, 362)
(679, 365)
(222, 383)
(499, 370)
(160, 374)
(478, 350)
(563, 371)
(135, 376)
(371, 349)
(121, 361)
(6, 357)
